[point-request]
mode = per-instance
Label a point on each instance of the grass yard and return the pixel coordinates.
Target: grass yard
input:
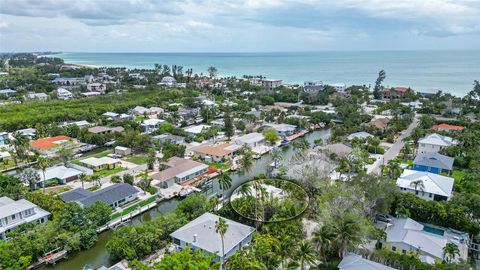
(139, 160)
(133, 207)
(221, 166)
(105, 172)
(458, 174)
(57, 190)
(7, 163)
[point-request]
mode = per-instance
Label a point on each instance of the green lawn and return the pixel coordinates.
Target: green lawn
(133, 207)
(221, 166)
(137, 159)
(5, 164)
(106, 172)
(458, 174)
(57, 190)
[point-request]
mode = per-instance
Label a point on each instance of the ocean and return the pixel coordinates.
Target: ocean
(449, 71)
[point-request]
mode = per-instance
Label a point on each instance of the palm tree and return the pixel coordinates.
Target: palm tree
(305, 253)
(144, 182)
(221, 228)
(347, 232)
(43, 163)
(418, 185)
(95, 178)
(245, 189)
(225, 181)
(276, 156)
(20, 144)
(393, 168)
(83, 178)
(30, 177)
(247, 160)
(450, 251)
(324, 238)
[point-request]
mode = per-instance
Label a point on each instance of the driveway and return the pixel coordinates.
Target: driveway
(394, 151)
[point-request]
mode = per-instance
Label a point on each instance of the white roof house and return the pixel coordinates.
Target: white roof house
(168, 81)
(99, 161)
(433, 143)
(64, 94)
(359, 135)
(412, 236)
(433, 186)
(152, 124)
(111, 114)
(352, 261)
(15, 213)
(200, 233)
(196, 129)
(59, 172)
(250, 139)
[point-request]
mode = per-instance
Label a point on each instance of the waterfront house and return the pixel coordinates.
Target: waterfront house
(7, 92)
(16, 213)
(50, 145)
(178, 170)
(394, 93)
(282, 130)
(58, 174)
(252, 139)
(447, 127)
(200, 234)
(352, 261)
(428, 186)
(339, 87)
(433, 162)
(217, 152)
(105, 130)
(362, 135)
(64, 94)
(152, 124)
(169, 138)
(433, 143)
(407, 236)
(100, 163)
(339, 149)
(313, 87)
(114, 195)
(270, 84)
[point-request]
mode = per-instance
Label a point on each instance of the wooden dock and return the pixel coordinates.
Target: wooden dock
(50, 258)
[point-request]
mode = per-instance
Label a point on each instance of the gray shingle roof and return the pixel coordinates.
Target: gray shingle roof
(207, 239)
(107, 195)
(435, 160)
(355, 262)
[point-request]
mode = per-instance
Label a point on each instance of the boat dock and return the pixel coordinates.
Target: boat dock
(122, 220)
(50, 258)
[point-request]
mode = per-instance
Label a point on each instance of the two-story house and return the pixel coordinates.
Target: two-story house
(15, 213)
(433, 143)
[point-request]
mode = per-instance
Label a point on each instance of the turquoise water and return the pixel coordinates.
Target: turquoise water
(450, 71)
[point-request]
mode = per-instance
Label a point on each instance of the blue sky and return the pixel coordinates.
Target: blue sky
(237, 26)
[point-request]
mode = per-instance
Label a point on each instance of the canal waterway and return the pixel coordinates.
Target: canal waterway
(98, 256)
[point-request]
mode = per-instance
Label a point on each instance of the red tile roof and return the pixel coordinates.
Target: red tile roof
(447, 126)
(47, 143)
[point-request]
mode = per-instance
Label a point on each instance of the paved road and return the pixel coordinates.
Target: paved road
(395, 149)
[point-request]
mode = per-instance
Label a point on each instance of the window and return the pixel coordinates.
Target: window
(394, 248)
(416, 192)
(404, 251)
(13, 217)
(176, 241)
(429, 195)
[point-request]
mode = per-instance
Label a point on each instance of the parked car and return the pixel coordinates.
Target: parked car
(384, 218)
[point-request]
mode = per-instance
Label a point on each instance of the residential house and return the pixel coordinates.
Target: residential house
(111, 115)
(4, 155)
(433, 143)
(152, 124)
(394, 93)
(100, 163)
(90, 94)
(179, 170)
(407, 236)
(217, 152)
(137, 76)
(339, 149)
(313, 87)
(193, 131)
(380, 123)
(3, 138)
(169, 138)
(252, 140)
(97, 87)
(114, 195)
(433, 162)
(64, 94)
(58, 174)
(3, 74)
(36, 96)
(29, 132)
(447, 127)
(282, 130)
(123, 151)
(80, 124)
(425, 185)
(51, 144)
(217, 123)
(339, 87)
(352, 261)
(362, 135)
(105, 130)
(16, 213)
(69, 81)
(141, 111)
(270, 84)
(7, 92)
(168, 81)
(200, 234)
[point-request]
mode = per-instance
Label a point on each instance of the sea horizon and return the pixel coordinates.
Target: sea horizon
(422, 70)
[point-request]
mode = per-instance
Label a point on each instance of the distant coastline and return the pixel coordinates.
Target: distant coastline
(427, 71)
